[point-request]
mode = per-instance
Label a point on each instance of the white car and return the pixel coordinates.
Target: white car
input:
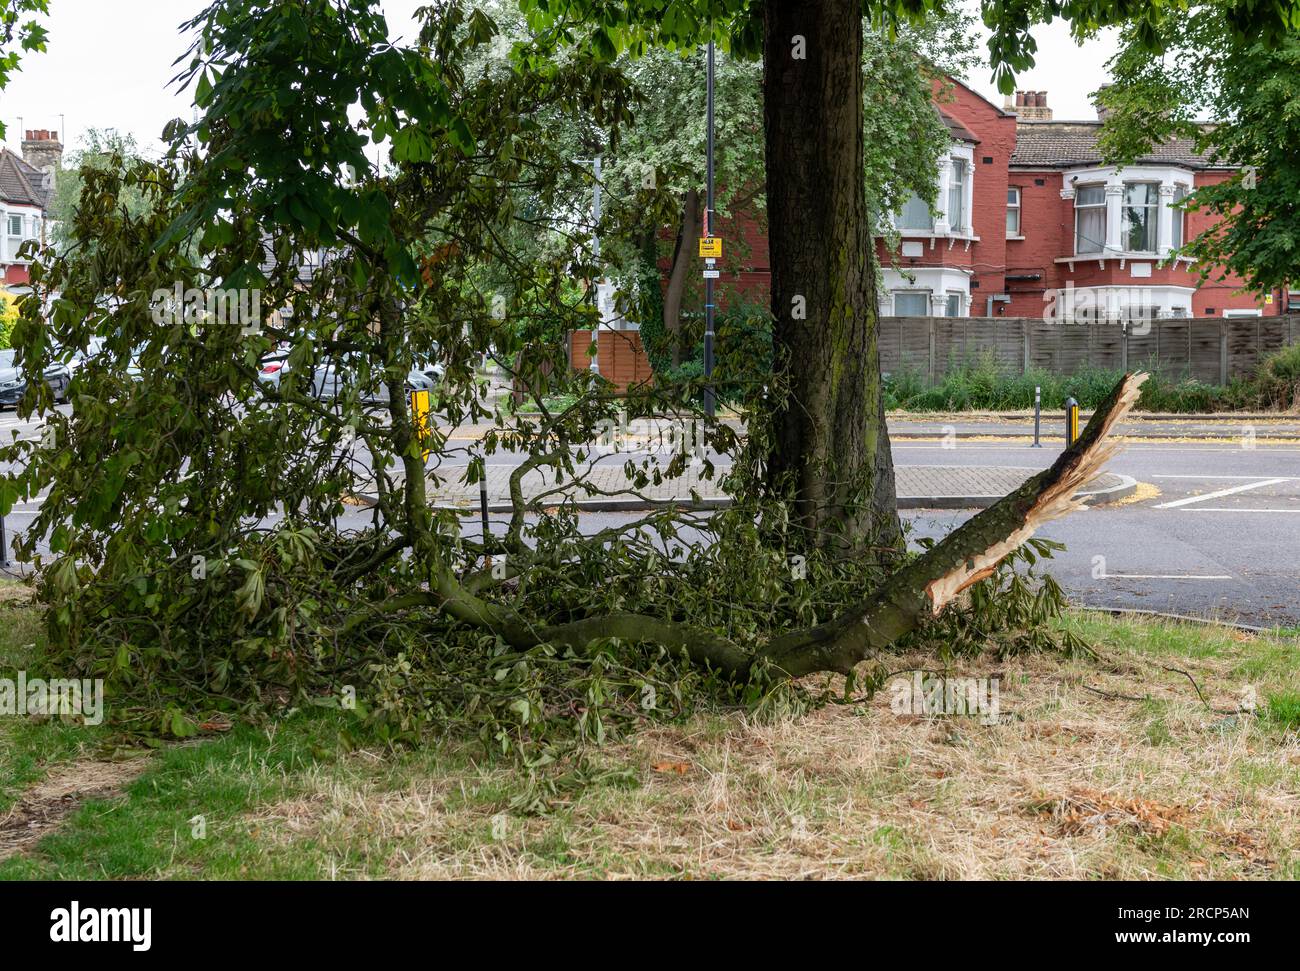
(330, 379)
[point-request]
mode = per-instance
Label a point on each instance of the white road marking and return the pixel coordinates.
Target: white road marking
(995, 446)
(1189, 476)
(1163, 576)
(1236, 509)
(1221, 493)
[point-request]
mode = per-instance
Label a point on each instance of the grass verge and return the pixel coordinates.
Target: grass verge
(1110, 768)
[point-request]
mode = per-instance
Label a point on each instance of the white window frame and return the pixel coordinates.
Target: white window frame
(924, 294)
(944, 224)
(1092, 206)
(1016, 207)
(1152, 222)
(1177, 217)
(949, 297)
(914, 198)
(956, 221)
(18, 217)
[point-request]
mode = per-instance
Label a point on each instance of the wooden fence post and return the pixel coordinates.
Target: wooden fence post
(933, 378)
(1223, 352)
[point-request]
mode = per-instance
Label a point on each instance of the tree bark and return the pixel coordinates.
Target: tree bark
(676, 289)
(829, 453)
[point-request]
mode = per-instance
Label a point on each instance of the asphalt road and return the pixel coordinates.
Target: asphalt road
(1221, 537)
(1216, 533)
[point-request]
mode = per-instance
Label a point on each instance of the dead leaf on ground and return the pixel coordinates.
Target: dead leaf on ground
(680, 768)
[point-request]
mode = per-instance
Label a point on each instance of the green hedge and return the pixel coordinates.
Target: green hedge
(981, 385)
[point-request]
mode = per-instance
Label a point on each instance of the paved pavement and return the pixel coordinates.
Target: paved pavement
(1021, 425)
(917, 486)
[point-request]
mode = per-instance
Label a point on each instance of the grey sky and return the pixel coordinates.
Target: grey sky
(109, 63)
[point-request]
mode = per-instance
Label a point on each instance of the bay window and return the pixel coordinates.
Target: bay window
(912, 303)
(957, 196)
(1176, 238)
(1089, 219)
(1141, 205)
(915, 214)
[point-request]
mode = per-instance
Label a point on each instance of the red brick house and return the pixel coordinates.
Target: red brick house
(1031, 223)
(26, 189)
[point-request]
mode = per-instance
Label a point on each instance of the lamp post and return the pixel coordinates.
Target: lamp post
(709, 273)
(595, 249)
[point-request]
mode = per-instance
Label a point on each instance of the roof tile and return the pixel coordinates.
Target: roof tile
(1062, 144)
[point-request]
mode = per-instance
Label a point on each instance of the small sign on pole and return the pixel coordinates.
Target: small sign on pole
(420, 417)
(711, 247)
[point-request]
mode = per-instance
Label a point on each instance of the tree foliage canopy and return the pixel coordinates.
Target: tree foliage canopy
(1249, 91)
(20, 32)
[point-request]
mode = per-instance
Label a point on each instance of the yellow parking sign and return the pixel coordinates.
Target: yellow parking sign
(420, 417)
(711, 246)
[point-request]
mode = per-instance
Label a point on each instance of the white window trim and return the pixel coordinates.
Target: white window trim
(1104, 207)
(1019, 207)
(1117, 301)
(942, 225)
(1153, 212)
(936, 282)
(1114, 177)
(918, 291)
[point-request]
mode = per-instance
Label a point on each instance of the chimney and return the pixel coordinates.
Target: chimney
(1032, 106)
(43, 150)
(1102, 111)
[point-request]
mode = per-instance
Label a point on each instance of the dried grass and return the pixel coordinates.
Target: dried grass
(1068, 784)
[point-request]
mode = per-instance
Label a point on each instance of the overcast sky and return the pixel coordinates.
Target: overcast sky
(109, 63)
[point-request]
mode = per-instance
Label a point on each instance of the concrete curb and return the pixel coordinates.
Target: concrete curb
(1016, 435)
(1094, 497)
(1191, 417)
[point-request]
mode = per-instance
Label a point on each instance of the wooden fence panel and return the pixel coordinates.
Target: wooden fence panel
(1209, 349)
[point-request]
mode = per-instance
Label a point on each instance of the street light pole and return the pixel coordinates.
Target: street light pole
(595, 249)
(708, 231)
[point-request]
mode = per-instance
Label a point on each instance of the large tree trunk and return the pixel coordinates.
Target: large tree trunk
(830, 451)
(673, 293)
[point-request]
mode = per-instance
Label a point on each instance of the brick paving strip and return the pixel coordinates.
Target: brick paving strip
(919, 487)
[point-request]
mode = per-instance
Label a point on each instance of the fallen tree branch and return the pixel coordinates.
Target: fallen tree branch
(919, 591)
(967, 555)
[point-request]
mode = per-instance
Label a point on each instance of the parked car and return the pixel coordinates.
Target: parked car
(330, 379)
(431, 370)
(274, 366)
(80, 357)
(13, 385)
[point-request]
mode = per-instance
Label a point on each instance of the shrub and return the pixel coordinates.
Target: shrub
(981, 384)
(8, 316)
(1278, 380)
